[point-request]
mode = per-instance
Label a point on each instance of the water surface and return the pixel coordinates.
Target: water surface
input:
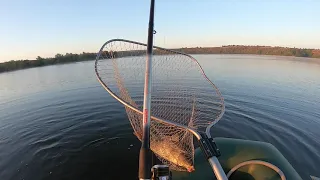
(57, 122)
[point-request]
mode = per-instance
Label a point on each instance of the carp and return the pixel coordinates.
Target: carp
(171, 152)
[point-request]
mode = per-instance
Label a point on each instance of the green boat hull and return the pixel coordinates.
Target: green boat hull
(235, 151)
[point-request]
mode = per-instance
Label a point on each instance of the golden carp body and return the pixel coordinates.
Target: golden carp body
(172, 153)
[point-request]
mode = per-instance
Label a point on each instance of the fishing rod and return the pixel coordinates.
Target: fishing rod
(145, 152)
(175, 153)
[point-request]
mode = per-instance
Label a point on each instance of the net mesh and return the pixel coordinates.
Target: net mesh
(180, 94)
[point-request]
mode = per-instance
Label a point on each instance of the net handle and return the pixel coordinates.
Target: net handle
(193, 131)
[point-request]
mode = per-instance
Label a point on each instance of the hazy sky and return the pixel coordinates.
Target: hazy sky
(45, 27)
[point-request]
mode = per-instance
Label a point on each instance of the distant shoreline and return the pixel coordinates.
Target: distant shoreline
(230, 49)
(257, 50)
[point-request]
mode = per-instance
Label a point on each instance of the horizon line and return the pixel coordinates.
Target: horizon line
(229, 45)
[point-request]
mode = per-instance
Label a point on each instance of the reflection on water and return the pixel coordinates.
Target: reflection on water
(57, 122)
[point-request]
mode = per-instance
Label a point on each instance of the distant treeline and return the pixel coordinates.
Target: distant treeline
(58, 59)
(230, 49)
(260, 50)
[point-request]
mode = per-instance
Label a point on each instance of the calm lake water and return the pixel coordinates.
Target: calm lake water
(57, 122)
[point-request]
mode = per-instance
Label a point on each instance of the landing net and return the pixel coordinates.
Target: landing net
(181, 93)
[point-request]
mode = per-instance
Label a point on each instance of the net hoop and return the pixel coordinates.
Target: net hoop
(193, 131)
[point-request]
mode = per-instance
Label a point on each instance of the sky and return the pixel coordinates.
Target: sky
(31, 28)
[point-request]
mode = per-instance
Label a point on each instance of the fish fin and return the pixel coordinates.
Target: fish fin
(190, 169)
